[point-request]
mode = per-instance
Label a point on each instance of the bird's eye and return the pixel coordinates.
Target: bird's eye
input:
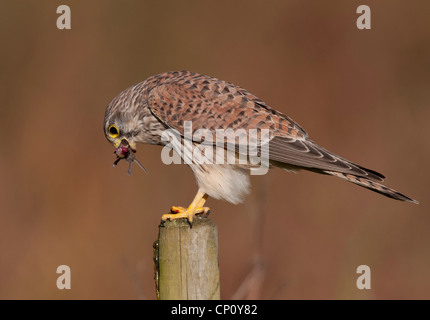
(113, 131)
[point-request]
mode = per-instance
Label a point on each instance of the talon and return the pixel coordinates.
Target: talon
(181, 212)
(208, 212)
(178, 213)
(203, 211)
(196, 207)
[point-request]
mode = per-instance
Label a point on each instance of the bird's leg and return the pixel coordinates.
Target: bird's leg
(196, 207)
(200, 209)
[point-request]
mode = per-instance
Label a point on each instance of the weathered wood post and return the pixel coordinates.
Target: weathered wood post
(186, 260)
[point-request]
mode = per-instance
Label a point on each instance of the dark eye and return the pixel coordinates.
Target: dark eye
(113, 131)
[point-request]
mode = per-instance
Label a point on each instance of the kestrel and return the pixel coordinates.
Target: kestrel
(141, 113)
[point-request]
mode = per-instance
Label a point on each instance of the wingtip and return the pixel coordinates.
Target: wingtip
(406, 198)
(414, 201)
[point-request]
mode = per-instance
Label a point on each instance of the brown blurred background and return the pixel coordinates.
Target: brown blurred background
(361, 94)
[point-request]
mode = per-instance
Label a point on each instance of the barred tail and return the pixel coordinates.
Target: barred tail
(371, 185)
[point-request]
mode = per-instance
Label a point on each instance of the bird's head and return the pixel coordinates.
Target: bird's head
(122, 130)
(122, 136)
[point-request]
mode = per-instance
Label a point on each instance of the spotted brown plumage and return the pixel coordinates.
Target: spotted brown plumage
(167, 101)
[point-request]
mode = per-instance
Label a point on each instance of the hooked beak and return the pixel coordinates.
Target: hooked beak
(124, 148)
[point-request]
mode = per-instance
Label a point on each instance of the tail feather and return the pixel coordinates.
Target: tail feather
(372, 185)
(296, 154)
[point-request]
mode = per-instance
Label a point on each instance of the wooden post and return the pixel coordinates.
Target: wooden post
(186, 260)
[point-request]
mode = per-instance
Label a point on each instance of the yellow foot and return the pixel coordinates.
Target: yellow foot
(196, 207)
(181, 212)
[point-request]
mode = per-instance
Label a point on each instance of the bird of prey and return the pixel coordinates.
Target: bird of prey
(141, 113)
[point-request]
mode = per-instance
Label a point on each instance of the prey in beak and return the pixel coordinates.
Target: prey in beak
(126, 151)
